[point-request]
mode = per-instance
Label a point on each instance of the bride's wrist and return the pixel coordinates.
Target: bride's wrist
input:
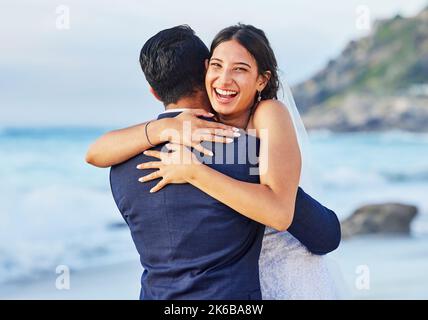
(193, 170)
(165, 126)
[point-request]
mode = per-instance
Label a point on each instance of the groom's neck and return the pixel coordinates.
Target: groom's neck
(199, 100)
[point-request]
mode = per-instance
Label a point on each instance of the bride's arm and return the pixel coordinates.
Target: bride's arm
(272, 201)
(120, 145)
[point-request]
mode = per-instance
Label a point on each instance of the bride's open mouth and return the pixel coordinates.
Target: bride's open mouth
(224, 95)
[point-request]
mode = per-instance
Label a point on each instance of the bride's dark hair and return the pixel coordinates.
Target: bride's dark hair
(257, 44)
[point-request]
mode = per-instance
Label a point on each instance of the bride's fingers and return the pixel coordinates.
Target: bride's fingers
(153, 153)
(198, 147)
(226, 133)
(159, 186)
(173, 146)
(218, 132)
(195, 145)
(215, 125)
(214, 138)
(151, 176)
(150, 165)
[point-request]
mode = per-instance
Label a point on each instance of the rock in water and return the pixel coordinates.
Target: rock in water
(387, 218)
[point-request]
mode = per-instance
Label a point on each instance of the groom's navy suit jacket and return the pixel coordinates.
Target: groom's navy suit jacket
(194, 247)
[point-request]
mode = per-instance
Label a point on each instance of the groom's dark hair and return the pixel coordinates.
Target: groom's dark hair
(173, 62)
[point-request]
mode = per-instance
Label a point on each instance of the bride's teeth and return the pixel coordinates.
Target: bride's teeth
(225, 92)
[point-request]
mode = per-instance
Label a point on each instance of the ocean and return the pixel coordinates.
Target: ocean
(58, 210)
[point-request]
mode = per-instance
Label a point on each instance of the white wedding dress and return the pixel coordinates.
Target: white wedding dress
(288, 271)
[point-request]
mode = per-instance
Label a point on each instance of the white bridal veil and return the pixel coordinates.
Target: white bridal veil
(306, 182)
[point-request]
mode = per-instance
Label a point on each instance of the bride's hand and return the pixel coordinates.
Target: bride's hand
(189, 130)
(174, 167)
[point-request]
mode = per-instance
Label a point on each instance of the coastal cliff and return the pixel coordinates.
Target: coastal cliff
(379, 82)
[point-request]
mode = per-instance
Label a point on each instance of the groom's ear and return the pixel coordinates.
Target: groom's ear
(153, 92)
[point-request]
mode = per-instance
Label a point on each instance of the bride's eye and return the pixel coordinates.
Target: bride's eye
(215, 65)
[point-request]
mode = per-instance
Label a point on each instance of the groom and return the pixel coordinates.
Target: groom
(192, 246)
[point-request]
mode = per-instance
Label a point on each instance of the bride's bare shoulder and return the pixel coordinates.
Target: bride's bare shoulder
(270, 112)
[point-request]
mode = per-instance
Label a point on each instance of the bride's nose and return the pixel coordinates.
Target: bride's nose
(225, 78)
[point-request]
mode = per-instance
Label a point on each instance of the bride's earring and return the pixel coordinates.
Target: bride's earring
(259, 98)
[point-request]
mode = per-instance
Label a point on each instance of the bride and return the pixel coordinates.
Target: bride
(242, 85)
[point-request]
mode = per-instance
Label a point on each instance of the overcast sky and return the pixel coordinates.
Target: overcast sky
(89, 74)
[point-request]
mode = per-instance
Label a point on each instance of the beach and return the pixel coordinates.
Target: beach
(399, 274)
(57, 210)
(120, 281)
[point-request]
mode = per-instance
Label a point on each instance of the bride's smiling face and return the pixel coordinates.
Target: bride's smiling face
(232, 79)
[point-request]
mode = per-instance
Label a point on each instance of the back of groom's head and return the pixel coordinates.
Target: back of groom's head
(173, 62)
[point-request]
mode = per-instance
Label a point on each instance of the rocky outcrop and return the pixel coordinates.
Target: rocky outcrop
(387, 218)
(368, 113)
(379, 82)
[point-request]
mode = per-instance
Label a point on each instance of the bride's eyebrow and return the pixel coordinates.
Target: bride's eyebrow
(243, 63)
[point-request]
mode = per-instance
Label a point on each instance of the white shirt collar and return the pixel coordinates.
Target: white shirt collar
(175, 110)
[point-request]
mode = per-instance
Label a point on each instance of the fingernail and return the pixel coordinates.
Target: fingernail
(141, 179)
(151, 191)
(210, 153)
(228, 140)
(145, 152)
(235, 129)
(211, 114)
(236, 134)
(138, 167)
